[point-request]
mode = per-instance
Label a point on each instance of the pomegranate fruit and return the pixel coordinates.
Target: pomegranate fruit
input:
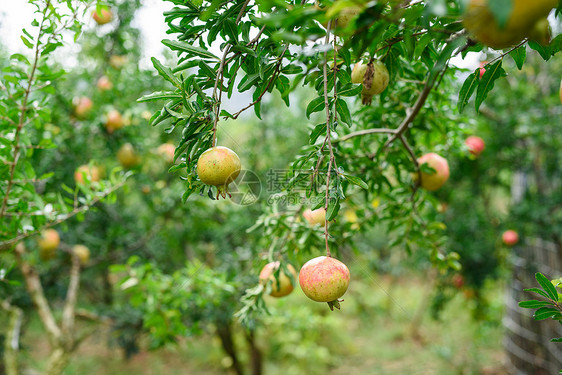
(510, 237)
(166, 150)
(113, 121)
(481, 23)
(90, 171)
(281, 286)
(103, 16)
(316, 217)
(127, 156)
(104, 83)
(82, 106)
(475, 145)
(48, 243)
(433, 181)
(324, 279)
(219, 166)
(374, 77)
(82, 252)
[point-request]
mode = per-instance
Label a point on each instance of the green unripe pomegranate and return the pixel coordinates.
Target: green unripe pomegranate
(374, 77)
(219, 166)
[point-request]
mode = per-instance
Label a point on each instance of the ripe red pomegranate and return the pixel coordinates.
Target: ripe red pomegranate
(475, 145)
(435, 180)
(324, 279)
(280, 286)
(219, 166)
(510, 237)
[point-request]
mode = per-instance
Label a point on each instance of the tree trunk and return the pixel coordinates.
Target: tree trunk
(11, 343)
(58, 360)
(255, 353)
(224, 332)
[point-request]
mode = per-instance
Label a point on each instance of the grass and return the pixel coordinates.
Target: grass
(373, 334)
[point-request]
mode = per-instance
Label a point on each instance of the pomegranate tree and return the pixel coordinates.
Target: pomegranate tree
(219, 166)
(281, 285)
(374, 77)
(324, 279)
(433, 181)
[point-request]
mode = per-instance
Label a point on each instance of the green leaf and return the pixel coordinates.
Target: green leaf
(557, 340)
(318, 130)
(486, 84)
(230, 29)
(186, 47)
(165, 72)
(533, 304)
(467, 89)
(243, 50)
(158, 96)
(248, 81)
(545, 313)
(350, 89)
(315, 105)
(544, 51)
(537, 290)
(356, 181)
(547, 286)
(501, 9)
(333, 208)
(343, 110)
(519, 55)
(291, 69)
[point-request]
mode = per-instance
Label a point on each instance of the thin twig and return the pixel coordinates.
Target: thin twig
(328, 139)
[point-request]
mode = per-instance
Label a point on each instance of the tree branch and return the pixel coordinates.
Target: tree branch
(35, 290)
(411, 113)
(70, 303)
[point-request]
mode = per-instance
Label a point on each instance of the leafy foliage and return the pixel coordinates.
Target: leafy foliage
(550, 308)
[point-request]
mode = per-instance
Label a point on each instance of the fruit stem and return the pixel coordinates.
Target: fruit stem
(328, 139)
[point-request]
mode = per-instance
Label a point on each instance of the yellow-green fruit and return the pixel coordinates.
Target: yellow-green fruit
(219, 166)
(127, 156)
(374, 77)
(282, 285)
(82, 252)
(481, 23)
(316, 217)
(541, 32)
(48, 243)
